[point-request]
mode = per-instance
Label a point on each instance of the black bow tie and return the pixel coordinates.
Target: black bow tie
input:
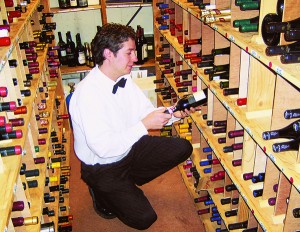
(121, 83)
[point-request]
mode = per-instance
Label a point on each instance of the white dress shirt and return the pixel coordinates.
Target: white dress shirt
(106, 125)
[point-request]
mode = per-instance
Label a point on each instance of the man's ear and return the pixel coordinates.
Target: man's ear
(107, 53)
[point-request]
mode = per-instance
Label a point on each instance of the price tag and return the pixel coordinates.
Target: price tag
(262, 226)
(215, 27)
(15, 188)
(231, 111)
(9, 52)
(213, 90)
(254, 54)
(278, 70)
(272, 157)
(249, 131)
(225, 104)
(231, 38)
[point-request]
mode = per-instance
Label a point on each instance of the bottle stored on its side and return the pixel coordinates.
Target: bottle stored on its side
(80, 51)
(283, 49)
(270, 38)
(292, 113)
(70, 48)
(292, 145)
(290, 131)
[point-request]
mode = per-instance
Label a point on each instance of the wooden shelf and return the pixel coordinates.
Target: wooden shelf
(126, 5)
(247, 41)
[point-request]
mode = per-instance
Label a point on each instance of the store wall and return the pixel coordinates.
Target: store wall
(85, 22)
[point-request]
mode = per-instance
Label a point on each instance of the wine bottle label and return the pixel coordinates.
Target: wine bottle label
(200, 95)
(81, 58)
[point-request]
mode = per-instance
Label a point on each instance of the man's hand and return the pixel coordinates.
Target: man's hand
(186, 112)
(156, 119)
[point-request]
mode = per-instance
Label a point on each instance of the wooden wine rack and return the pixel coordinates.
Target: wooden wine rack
(270, 88)
(11, 181)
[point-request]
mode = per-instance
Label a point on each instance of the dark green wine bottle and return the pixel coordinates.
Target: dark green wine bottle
(253, 27)
(238, 22)
(254, 5)
(240, 2)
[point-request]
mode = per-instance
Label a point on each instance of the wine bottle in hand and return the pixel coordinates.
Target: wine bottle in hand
(193, 100)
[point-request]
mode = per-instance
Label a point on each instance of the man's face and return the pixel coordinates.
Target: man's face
(123, 61)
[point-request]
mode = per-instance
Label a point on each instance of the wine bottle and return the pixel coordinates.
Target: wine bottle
(73, 3)
(250, 5)
(235, 133)
(204, 64)
(291, 131)
(231, 213)
(258, 192)
(217, 68)
(13, 150)
(80, 51)
(16, 134)
(230, 91)
(230, 187)
(290, 58)
(87, 53)
(145, 45)
(259, 178)
(238, 225)
(240, 22)
(82, 3)
(296, 212)
(216, 18)
(215, 12)
(17, 206)
(270, 38)
(241, 101)
(139, 46)
(70, 49)
(21, 221)
(193, 41)
(254, 229)
(293, 113)
(62, 53)
(283, 49)
(292, 145)
(203, 211)
(280, 27)
(219, 76)
(64, 4)
(193, 100)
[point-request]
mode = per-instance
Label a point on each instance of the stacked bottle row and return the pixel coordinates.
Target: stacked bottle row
(72, 54)
(243, 112)
(35, 132)
(66, 4)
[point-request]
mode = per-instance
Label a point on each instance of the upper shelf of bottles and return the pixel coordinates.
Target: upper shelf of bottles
(17, 29)
(57, 10)
(249, 43)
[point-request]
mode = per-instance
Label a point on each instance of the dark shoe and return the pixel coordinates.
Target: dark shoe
(102, 212)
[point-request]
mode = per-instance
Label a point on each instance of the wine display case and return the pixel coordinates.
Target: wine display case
(240, 180)
(35, 130)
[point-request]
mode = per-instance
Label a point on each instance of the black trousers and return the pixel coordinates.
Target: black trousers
(115, 185)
